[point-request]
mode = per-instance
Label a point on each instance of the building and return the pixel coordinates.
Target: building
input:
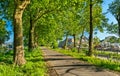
(70, 42)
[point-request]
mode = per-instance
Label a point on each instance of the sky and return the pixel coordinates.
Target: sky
(110, 17)
(99, 34)
(9, 28)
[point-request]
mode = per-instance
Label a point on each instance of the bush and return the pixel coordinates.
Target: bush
(55, 45)
(74, 49)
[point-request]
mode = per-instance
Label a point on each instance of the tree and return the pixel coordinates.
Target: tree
(91, 31)
(49, 32)
(20, 6)
(96, 41)
(114, 8)
(4, 34)
(80, 39)
(111, 28)
(73, 20)
(36, 10)
(96, 20)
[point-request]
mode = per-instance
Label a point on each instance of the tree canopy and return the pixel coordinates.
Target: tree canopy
(114, 8)
(4, 34)
(46, 22)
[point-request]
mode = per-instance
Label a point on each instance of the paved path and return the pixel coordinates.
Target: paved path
(68, 66)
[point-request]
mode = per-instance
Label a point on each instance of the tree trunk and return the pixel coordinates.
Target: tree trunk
(119, 27)
(80, 41)
(90, 53)
(18, 33)
(74, 40)
(118, 20)
(36, 40)
(31, 36)
(66, 41)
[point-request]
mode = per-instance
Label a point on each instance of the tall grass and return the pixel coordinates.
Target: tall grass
(35, 65)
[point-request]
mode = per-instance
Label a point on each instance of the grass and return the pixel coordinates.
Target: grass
(109, 54)
(35, 65)
(107, 64)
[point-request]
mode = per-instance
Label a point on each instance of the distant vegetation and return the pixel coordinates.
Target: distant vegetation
(112, 39)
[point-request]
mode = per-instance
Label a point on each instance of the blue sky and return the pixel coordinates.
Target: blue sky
(109, 16)
(9, 28)
(100, 35)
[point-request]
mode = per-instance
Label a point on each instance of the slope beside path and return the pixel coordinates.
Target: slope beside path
(63, 65)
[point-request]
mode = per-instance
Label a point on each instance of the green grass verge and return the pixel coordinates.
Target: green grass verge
(107, 64)
(107, 53)
(35, 65)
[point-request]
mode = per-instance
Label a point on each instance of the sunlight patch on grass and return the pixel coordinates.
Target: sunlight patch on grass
(35, 65)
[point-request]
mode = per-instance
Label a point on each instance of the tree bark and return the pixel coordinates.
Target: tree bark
(80, 41)
(90, 52)
(18, 33)
(35, 39)
(66, 41)
(118, 20)
(31, 35)
(74, 40)
(118, 27)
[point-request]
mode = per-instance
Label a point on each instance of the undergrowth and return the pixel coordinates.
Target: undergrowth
(35, 65)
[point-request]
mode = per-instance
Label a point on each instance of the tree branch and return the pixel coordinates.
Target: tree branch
(46, 12)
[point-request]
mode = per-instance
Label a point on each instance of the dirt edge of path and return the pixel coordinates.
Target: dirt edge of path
(51, 71)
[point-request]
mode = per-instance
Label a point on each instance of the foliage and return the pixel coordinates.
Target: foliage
(112, 28)
(96, 41)
(34, 67)
(53, 19)
(114, 8)
(48, 32)
(112, 39)
(3, 6)
(54, 45)
(4, 35)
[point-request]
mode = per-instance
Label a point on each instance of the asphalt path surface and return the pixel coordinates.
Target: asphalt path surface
(63, 65)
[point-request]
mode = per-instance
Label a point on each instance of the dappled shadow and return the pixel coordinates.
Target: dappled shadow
(43, 48)
(74, 65)
(90, 67)
(36, 60)
(53, 59)
(6, 58)
(6, 61)
(55, 55)
(85, 65)
(68, 66)
(32, 55)
(69, 71)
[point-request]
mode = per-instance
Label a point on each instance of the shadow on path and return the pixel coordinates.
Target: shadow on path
(69, 66)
